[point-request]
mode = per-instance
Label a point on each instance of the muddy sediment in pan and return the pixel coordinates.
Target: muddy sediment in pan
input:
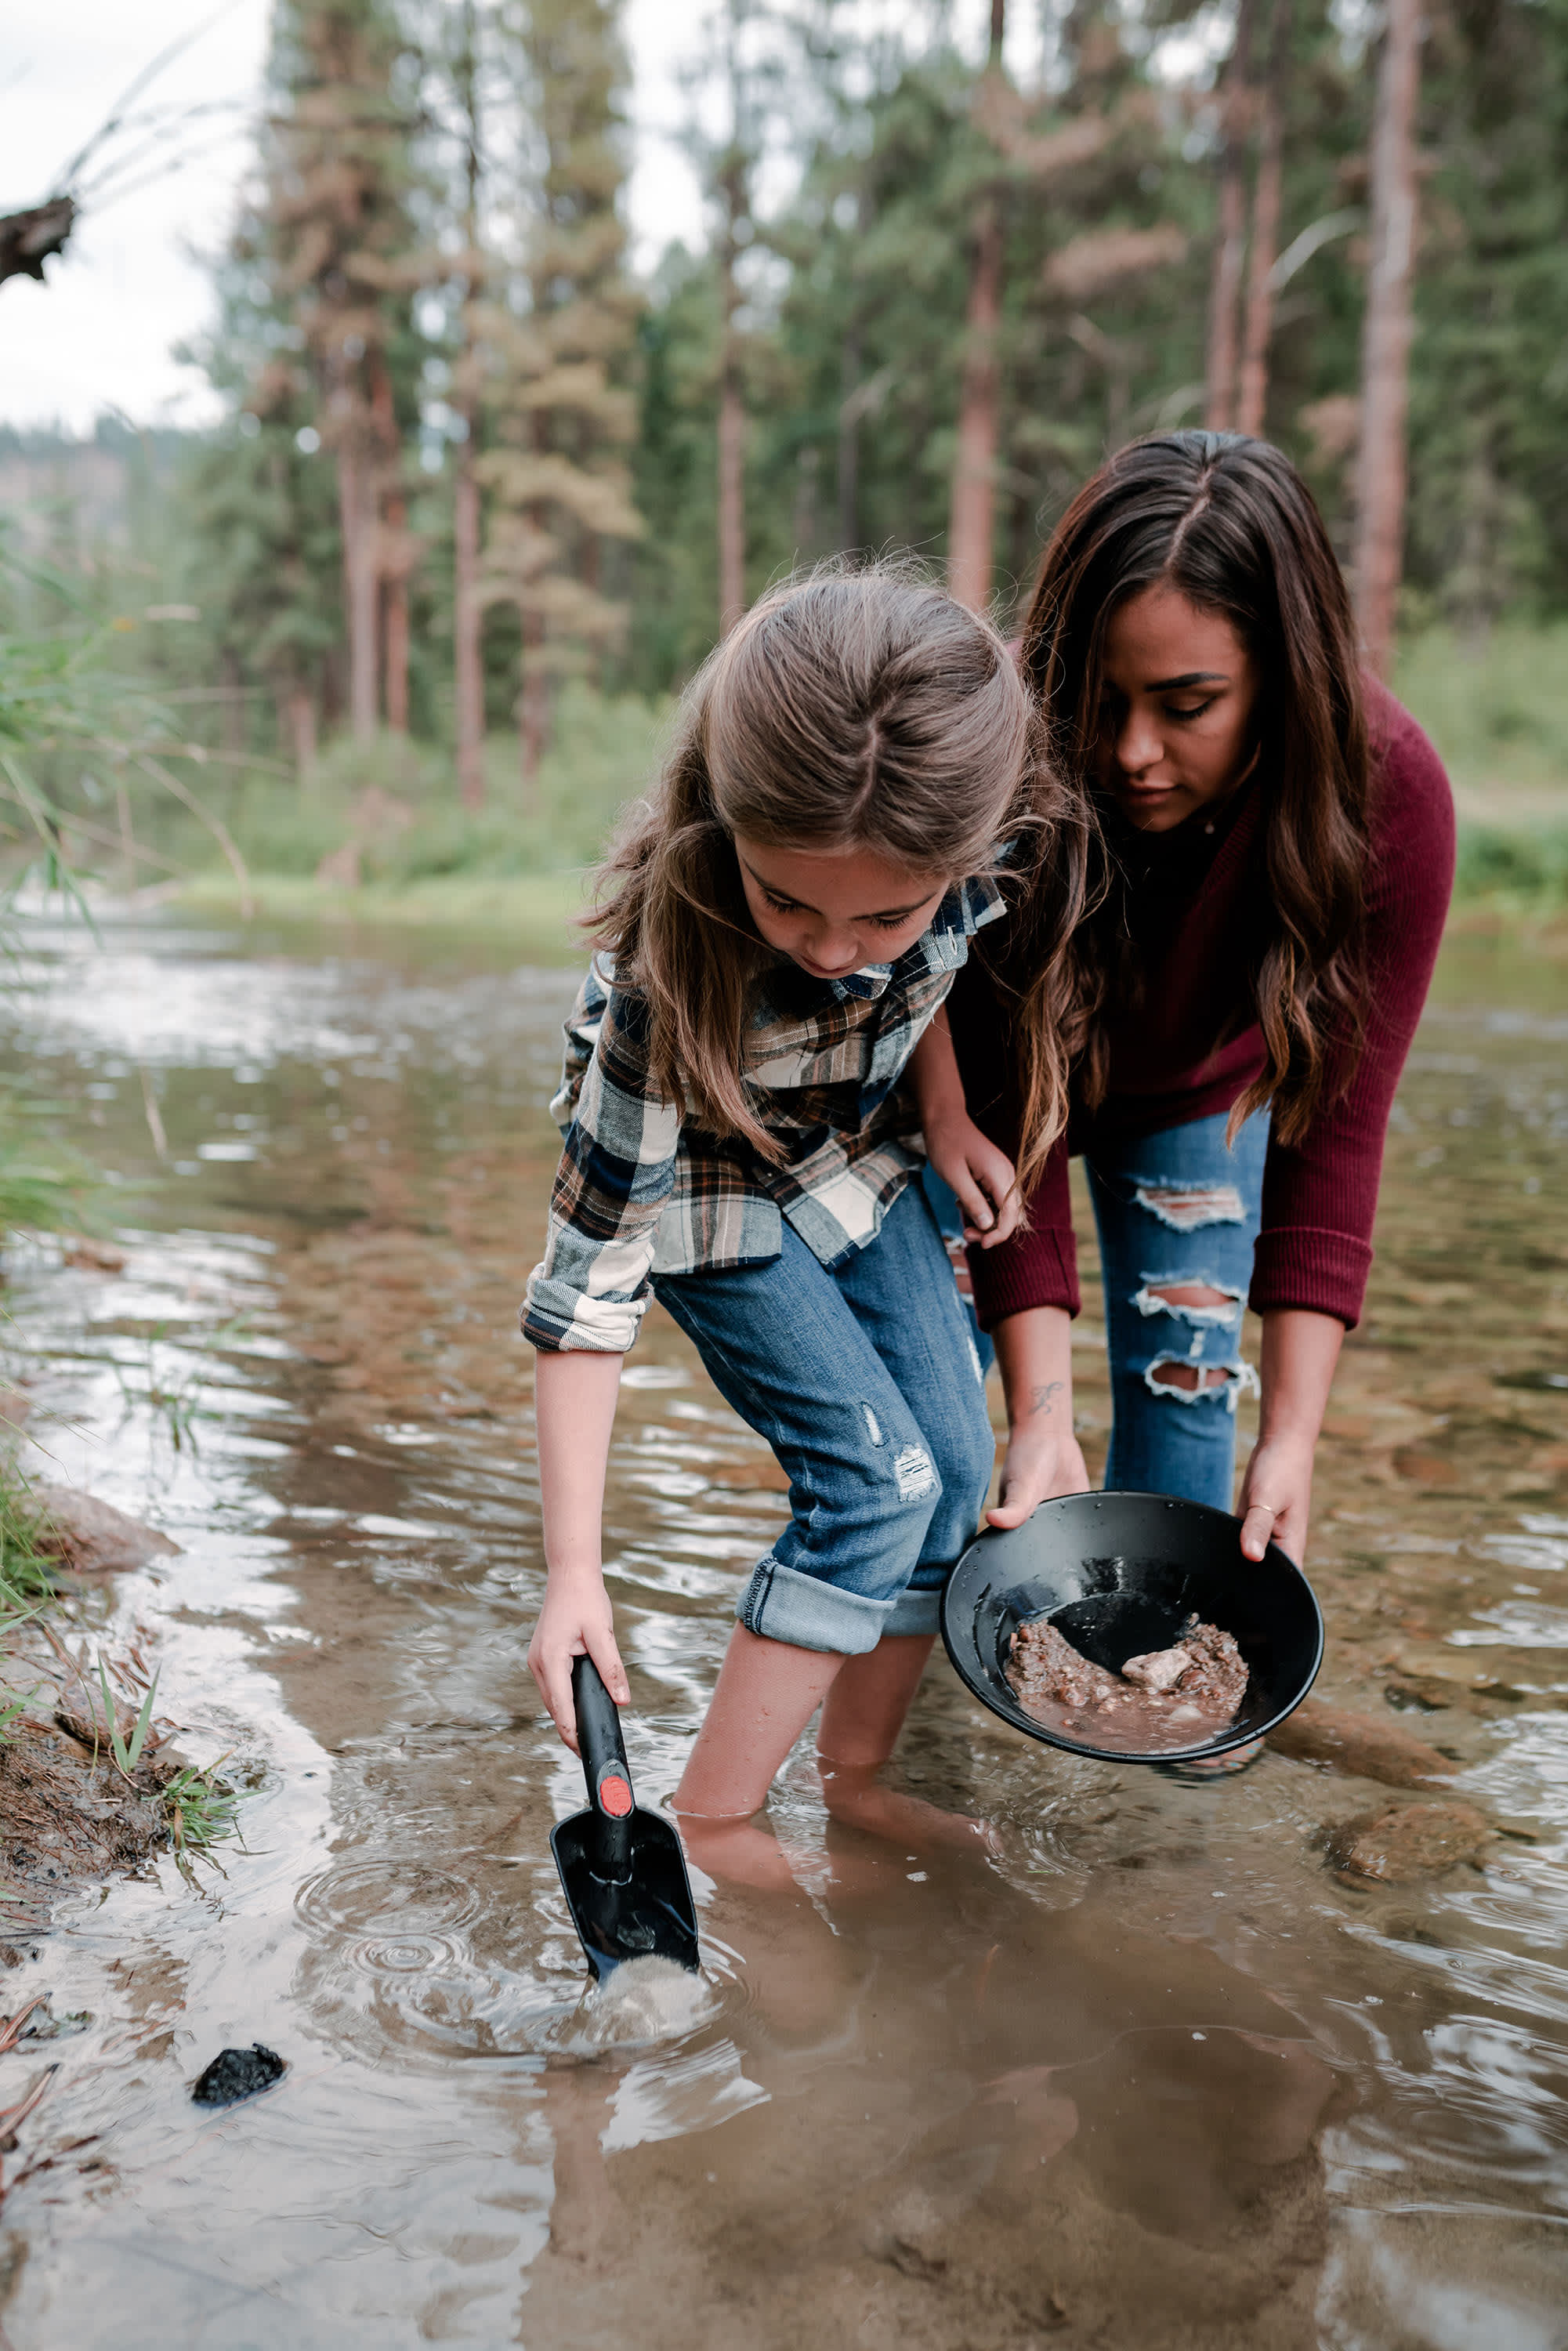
(1159, 2067)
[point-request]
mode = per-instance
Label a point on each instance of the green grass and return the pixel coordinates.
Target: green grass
(27, 1574)
(1499, 715)
(43, 1188)
(202, 1809)
(528, 915)
(512, 873)
(395, 803)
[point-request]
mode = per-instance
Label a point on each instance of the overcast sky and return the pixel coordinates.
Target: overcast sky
(135, 279)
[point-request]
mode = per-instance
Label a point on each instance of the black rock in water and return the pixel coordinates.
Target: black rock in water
(236, 2074)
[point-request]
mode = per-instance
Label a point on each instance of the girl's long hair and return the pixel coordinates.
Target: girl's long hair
(1229, 523)
(849, 710)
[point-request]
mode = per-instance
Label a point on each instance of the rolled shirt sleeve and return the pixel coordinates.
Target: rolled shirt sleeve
(589, 1290)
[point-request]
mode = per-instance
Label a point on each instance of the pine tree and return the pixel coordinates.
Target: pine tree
(1385, 350)
(559, 414)
(337, 247)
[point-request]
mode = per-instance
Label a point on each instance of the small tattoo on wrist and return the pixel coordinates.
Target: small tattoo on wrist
(1039, 1398)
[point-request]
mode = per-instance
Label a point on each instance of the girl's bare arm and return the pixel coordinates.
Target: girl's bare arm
(574, 1411)
(981, 1176)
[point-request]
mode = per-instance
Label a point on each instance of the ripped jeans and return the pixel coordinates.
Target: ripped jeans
(1177, 1214)
(864, 1380)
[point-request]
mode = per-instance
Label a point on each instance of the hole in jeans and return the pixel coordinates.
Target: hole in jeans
(1190, 1382)
(1190, 1301)
(1186, 1206)
(916, 1473)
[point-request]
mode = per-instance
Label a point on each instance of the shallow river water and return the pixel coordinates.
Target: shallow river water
(1150, 2073)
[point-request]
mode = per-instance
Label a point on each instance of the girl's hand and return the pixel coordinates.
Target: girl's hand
(575, 1622)
(1039, 1462)
(1277, 1496)
(982, 1178)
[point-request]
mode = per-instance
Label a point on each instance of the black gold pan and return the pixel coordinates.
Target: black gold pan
(1119, 1575)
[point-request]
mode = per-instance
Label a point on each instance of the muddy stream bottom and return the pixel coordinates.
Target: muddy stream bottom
(1165, 2068)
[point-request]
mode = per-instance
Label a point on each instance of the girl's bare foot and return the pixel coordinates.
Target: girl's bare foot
(853, 1794)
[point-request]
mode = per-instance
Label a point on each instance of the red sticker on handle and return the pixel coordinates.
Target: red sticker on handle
(615, 1795)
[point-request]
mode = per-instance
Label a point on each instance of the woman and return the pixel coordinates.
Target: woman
(1278, 858)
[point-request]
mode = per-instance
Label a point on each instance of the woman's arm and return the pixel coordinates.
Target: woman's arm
(574, 1411)
(981, 1176)
(1034, 1355)
(1299, 1352)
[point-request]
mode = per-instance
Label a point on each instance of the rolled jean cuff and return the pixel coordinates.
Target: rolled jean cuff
(917, 1609)
(779, 1604)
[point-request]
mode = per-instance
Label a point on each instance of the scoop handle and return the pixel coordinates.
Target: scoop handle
(605, 1768)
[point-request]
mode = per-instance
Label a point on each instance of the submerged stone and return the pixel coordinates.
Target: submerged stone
(236, 2074)
(1402, 1842)
(1355, 1743)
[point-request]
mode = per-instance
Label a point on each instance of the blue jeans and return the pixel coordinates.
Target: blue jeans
(1175, 1210)
(863, 1379)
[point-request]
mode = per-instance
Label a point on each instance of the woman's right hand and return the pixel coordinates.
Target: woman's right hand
(1037, 1464)
(575, 1621)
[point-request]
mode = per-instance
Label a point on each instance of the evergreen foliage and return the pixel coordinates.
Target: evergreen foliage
(399, 291)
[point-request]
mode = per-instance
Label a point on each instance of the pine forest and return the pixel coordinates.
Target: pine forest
(484, 496)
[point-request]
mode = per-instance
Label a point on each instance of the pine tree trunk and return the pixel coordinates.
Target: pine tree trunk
(533, 711)
(1257, 331)
(849, 530)
(468, 622)
(357, 519)
(468, 674)
(974, 465)
(1230, 233)
(1385, 343)
(300, 711)
(734, 191)
(395, 614)
(731, 425)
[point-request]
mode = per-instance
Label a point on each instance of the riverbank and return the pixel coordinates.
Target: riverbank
(1512, 885)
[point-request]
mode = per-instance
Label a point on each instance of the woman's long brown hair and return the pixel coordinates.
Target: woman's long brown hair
(1229, 523)
(852, 709)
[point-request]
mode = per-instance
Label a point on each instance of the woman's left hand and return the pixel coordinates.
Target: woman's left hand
(1277, 1496)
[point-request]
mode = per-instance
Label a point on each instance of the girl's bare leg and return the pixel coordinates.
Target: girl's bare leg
(767, 1692)
(861, 1718)
(864, 1710)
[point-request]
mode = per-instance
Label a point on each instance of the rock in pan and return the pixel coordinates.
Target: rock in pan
(92, 1537)
(1395, 1844)
(1354, 1743)
(236, 2074)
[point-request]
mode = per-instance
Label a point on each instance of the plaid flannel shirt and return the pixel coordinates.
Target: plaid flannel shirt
(639, 1192)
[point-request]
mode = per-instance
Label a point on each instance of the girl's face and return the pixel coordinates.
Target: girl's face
(1179, 695)
(834, 910)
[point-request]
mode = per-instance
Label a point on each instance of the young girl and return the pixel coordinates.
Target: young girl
(780, 925)
(1280, 839)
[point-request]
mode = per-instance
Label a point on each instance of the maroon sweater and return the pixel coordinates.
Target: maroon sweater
(1319, 1196)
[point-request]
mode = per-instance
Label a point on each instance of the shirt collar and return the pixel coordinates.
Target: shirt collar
(942, 945)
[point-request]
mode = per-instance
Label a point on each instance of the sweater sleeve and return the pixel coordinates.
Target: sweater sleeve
(1038, 1267)
(1320, 1195)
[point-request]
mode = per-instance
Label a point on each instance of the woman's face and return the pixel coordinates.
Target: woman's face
(1179, 695)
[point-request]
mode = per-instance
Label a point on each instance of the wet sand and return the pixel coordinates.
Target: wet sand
(1153, 2073)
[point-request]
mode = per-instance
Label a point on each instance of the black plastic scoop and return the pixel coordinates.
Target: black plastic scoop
(622, 1869)
(1118, 1575)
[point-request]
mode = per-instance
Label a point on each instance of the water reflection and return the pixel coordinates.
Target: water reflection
(1136, 2069)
